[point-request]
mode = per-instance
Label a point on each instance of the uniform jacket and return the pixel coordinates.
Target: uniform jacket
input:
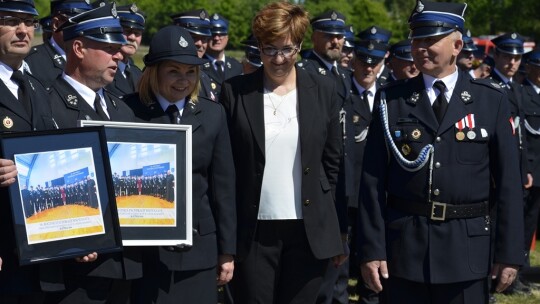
(214, 214)
(420, 249)
(231, 68)
(69, 106)
(515, 96)
(358, 119)
(531, 116)
(45, 63)
(320, 141)
(121, 85)
(14, 118)
(313, 64)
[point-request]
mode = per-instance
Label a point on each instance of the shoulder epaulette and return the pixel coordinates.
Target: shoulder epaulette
(490, 83)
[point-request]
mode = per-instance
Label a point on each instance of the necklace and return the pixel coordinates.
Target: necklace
(272, 102)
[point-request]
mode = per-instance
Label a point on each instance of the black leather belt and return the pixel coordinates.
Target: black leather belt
(438, 211)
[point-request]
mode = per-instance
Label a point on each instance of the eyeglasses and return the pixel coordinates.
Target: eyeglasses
(16, 21)
(286, 52)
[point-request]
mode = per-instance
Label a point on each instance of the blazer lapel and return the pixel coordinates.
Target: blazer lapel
(457, 107)
(421, 106)
(253, 103)
(307, 97)
(189, 116)
(10, 102)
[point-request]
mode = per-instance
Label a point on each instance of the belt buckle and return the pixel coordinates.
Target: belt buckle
(437, 206)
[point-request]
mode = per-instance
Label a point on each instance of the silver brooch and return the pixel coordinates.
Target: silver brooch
(72, 100)
(466, 97)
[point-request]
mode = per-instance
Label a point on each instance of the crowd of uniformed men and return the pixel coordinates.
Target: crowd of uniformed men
(360, 63)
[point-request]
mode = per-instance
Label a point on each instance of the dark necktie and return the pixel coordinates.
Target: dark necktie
(335, 71)
(129, 77)
(219, 69)
(174, 114)
(440, 104)
(22, 92)
(99, 108)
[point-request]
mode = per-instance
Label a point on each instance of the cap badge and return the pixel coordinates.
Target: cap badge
(469, 33)
(216, 17)
(465, 96)
(374, 30)
(202, 15)
(514, 36)
(419, 7)
(369, 60)
(333, 16)
(113, 10)
(182, 42)
(351, 29)
(134, 9)
(7, 122)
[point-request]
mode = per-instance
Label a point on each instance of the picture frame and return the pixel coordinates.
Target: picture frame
(143, 157)
(62, 203)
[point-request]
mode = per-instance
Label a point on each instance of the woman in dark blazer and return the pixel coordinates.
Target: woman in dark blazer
(171, 79)
(285, 134)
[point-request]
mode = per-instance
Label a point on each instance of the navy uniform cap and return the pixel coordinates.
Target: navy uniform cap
(131, 16)
(195, 22)
(251, 50)
(46, 24)
(349, 36)
(402, 50)
(330, 22)
(99, 24)
(533, 58)
(489, 61)
(70, 7)
(18, 6)
(468, 43)
(511, 43)
(436, 18)
(375, 33)
(220, 25)
(371, 52)
(172, 43)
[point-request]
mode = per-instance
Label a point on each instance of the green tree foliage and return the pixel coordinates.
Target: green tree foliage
(483, 16)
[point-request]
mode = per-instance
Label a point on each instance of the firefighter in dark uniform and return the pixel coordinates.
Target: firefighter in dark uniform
(93, 40)
(347, 51)
(424, 215)
(252, 55)
(23, 107)
(466, 56)
(220, 67)
(128, 74)
(379, 35)
(400, 61)
(328, 38)
(46, 27)
(531, 123)
(47, 60)
(197, 23)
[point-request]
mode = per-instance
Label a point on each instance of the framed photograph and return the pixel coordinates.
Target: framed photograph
(151, 173)
(63, 203)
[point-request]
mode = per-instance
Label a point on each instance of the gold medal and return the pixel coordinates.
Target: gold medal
(460, 136)
(471, 135)
(8, 122)
(406, 149)
(213, 85)
(416, 134)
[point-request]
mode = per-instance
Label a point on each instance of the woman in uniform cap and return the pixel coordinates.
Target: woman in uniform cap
(168, 93)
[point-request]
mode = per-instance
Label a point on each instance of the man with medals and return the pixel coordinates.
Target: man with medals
(424, 218)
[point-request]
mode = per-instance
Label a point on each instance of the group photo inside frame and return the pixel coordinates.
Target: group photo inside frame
(151, 173)
(62, 203)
